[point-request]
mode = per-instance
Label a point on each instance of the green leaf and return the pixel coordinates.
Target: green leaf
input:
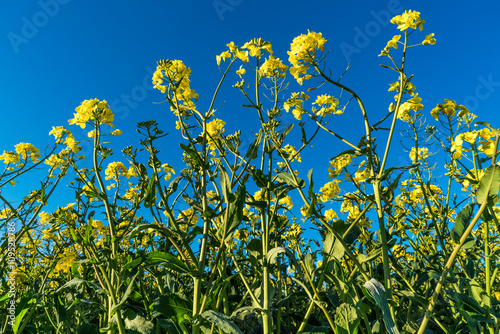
(193, 154)
(377, 291)
(463, 220)
(479, 294)
(253, 149)
(172, 187)
(222, 321)
(21, 310)
(310, 329)
(168, 260)
(235, 214)
(174, 307)
(346, 319)
(312, 206)
(333, 247)
(137, 324)
(488, 186)
(362, 258)
(125, 295)
(288, 178)
(150, 192)
(225, 185)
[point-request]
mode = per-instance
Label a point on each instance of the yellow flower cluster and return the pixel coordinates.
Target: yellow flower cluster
(241, 234)
(273, 67)
(429, 40)
(55, 161)
(405, 109)
(26, 150)
(287, 202)
(302, 52)
(337, 164)
(329, 191)
(327, 104)
(449, 108)
(9, 157)
(215, 128)
(169, 170)
(393, 43)
(116, 169)
(96, 110)
(293, 234)
(176, 74)
(330, 214)
(409, 19)
(255, 46)
(296, 101)
(292, 155)
(70, 142)
(188, 217)
(423, 153)
(5, 213)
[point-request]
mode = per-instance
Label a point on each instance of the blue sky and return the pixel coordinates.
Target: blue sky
(57, 53)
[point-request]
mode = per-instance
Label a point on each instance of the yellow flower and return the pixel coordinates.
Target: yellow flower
(412, 104)
(5, 213)
(422, 154)
(241, 234)
(176, 73)
(296, 101)
(96, 110)
(169, 170)
(449, 108)
(9, 158)
(115, 169)
(302, 52)
(27, 149)
(327, 104)
(330, 214)
(241, 71)
(329, 191)
(45, 217)
(292, 155)
(337, 164)
(55, 161)
(409, 19)
(287, 202)
(393, 43)
(223, 56)
(273, 67)
(58, 132)
(116, 132)
(429, 40)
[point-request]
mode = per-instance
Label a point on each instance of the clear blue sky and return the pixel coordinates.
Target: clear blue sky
(57, 53)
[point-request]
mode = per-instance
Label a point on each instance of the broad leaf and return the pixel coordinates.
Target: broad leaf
(488, 186)
(346, 319)
(377, 291)
(222, 321)
(174, 307)
(463, 220)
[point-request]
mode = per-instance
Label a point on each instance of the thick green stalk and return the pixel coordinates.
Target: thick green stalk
(447, 267)
(206, 226)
